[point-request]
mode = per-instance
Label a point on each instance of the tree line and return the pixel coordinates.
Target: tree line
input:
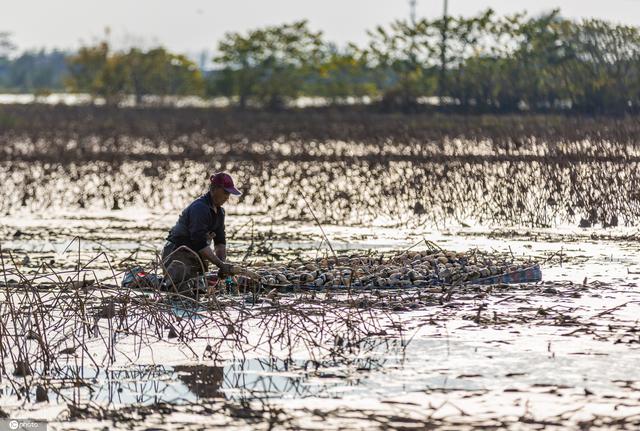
(32, 71)
(482, 63)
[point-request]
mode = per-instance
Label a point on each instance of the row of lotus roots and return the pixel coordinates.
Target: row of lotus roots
(407, 269)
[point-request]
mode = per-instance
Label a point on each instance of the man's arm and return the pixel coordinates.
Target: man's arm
(220, 239)
(221, 251)
(208, 254)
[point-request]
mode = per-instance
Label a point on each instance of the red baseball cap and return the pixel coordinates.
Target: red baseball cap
(224, 180)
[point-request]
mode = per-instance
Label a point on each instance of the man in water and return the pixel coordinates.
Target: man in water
(188, 251)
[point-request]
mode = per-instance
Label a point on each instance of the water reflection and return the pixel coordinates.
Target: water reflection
(204, 381)
(236, 380)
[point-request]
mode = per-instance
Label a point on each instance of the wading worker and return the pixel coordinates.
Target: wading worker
(188, 250)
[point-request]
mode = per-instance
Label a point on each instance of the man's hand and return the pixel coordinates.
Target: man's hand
(226, 269)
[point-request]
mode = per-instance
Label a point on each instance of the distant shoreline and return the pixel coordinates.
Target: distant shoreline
(424, 105)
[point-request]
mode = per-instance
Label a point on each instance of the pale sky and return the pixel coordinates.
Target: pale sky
(191, 26)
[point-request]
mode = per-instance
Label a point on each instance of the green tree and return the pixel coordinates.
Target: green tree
(269, 64)
(113, 80)
(36, 71)
(536, 64)
(86, 69)
(341, 75)
(471, 58)
(114, 75)
(161, 73)
(6, 46)
(603, 74)
(406, 54)
(501, 63)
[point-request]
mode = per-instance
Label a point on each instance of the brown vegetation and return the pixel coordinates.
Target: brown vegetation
(354, 165)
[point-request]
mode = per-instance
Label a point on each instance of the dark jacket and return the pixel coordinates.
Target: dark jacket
(197, 223)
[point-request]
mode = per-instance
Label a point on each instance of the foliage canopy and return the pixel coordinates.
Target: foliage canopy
(480, 63)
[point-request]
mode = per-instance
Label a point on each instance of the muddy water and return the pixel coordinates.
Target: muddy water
(560, 353)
